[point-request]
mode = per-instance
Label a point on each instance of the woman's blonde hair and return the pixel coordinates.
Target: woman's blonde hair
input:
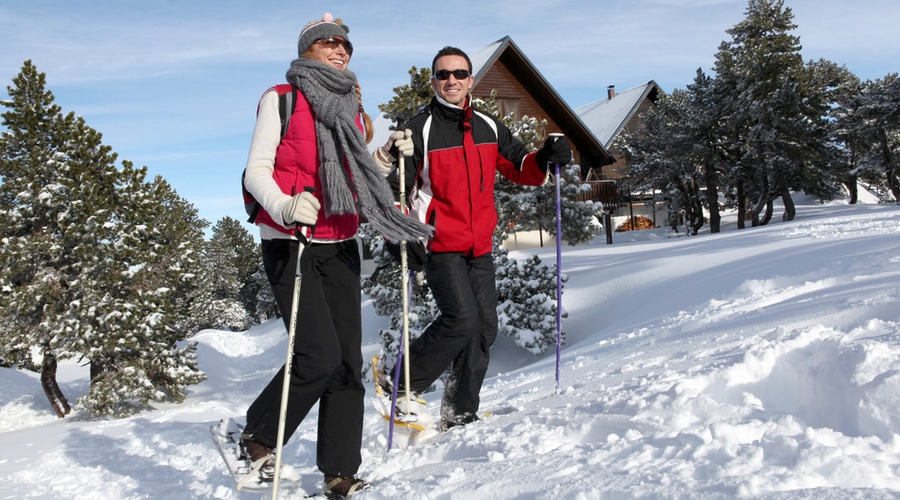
(367, 121)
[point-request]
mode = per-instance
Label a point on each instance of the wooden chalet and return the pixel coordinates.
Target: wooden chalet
(619, 112)
(607, 119)
(520, 88)
(591, 129)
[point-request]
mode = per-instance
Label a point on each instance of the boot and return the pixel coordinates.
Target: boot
(260, 457)
(343, 487)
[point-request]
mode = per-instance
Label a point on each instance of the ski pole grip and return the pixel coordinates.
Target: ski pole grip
(312, 229)
(555, 136)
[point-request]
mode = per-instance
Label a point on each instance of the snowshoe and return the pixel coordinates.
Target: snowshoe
(249, 474)
(407, 410)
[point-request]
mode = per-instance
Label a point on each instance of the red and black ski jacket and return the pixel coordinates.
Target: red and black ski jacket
(457, 154)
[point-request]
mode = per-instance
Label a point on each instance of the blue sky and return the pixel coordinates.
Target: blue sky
(174, 84)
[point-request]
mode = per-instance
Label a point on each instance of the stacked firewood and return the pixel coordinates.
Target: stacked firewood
(639, 223)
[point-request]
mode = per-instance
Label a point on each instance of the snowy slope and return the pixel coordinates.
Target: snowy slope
(754, 363)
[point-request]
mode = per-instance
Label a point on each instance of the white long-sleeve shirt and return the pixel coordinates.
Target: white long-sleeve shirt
(259, 178)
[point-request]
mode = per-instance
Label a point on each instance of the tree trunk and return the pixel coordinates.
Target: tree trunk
(893, 179)
(741, 205)
(712, 200)
(696, 221)
(853, 188)
(51, 388)
(770, 209)
(890, 171)
(757, 209)
(97, 370)
(790, 210)
(764, 201)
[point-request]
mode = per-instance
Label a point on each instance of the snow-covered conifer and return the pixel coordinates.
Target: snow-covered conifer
(227, 293)
(95, 263)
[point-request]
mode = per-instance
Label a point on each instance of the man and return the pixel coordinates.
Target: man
(456, 151)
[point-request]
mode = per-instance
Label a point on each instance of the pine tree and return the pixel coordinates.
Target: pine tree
(766, 125)
(757, 131)
(55, 208)
(671, 154)
(702, 120)
(843, 94)
(729, 135)
(264, 298)
(409, 98)
(94, 262)
(576, 217)
(227, 293)
(526, 294)
(876, 124)
(247, 259)
(141, 315)
(781, 128)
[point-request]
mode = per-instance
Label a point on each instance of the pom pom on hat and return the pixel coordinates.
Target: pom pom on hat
(325, 27)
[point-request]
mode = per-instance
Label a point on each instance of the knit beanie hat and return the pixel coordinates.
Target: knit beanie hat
(323, 28)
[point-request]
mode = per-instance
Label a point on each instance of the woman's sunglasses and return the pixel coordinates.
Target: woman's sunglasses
(444, 74)
(332, 42)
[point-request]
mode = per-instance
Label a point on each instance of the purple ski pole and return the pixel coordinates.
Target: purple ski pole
(400, 354)
(558, 276)
(558, 269)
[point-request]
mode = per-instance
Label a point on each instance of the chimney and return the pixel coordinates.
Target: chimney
(610, 91)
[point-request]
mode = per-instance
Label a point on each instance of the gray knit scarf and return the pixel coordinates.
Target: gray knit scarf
(332, 95)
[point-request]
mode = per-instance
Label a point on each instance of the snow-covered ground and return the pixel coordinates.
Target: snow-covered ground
(755, 363)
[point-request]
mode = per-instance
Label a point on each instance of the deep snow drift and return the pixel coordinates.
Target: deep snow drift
(755, 363)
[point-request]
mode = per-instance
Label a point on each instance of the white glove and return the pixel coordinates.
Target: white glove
(302, 209)
(402, 141)
(404, 144)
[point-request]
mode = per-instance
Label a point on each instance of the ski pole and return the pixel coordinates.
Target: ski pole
(404, 283)
(558, 269)
(558, 277)
(404, 340)
(285, 386)
(401, 355)
(393, 412)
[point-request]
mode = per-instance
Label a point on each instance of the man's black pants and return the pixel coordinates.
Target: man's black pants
(465, 291)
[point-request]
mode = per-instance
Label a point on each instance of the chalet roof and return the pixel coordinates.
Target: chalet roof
(607, 117)
(506, 51)
(483, 59)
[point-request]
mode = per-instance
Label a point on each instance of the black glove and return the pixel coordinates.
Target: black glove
(415, 254)
(556, 149)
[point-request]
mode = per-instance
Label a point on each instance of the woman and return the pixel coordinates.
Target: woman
(323, 148)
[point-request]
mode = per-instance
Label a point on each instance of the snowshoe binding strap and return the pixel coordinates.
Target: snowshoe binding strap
(258, 472)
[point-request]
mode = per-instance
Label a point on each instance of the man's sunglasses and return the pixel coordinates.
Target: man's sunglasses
(444, 74)
(332, 42)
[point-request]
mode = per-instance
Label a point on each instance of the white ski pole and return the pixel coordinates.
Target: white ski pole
(285, 386)
(404, 283)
